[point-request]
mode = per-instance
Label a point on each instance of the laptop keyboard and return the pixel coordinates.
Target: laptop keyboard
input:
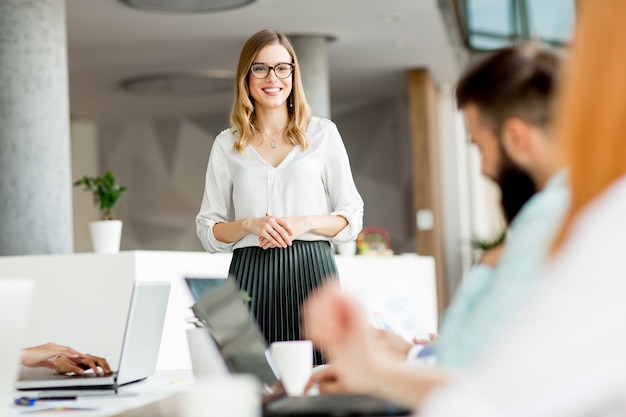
(334, 405)
(88, 375)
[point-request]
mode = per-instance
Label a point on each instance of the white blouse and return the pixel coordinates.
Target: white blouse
(317, 181)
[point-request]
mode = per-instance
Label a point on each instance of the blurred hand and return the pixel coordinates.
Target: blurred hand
(277, 391)
(327, 380)
(337, 325)
(391, 344)
(492, 256)
(432, 338)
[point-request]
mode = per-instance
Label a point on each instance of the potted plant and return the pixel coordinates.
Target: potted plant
(106, 234)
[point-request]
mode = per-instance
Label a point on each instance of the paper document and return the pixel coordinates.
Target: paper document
(391, 309)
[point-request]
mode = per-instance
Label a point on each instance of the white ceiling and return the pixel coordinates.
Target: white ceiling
(376, 42)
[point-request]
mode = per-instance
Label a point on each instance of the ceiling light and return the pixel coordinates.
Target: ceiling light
(181, 84)
(187, 6)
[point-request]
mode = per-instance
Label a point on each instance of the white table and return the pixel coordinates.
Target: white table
(81, 300)
(162, 385)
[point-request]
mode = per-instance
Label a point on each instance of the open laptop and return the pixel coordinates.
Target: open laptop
(241, 344)
(232, 343)
(15, 301)
(140, 347)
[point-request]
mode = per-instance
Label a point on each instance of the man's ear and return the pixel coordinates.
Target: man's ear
(516, 140)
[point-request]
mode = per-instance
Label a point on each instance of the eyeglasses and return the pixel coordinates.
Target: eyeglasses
(282, 70)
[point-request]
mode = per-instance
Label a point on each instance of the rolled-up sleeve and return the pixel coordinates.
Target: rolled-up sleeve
(344, 197)
(216, 201)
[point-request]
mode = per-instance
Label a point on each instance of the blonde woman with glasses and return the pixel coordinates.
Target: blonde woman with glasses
(279, 190)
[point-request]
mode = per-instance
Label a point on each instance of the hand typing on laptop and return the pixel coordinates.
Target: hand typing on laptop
(63, 359)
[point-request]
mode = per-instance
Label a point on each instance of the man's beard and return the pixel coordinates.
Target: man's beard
(516, 187)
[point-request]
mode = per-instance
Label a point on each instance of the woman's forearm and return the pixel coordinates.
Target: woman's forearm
(230, 232)
(327, 225)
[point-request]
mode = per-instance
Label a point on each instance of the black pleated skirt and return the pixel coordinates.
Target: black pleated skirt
(278, 280)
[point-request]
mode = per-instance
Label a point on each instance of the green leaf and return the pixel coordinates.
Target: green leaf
(245, 296)
(105, 191)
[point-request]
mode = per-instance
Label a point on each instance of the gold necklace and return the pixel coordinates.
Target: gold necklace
(273, 143)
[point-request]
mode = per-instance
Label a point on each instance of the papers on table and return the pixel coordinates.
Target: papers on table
(393, 310)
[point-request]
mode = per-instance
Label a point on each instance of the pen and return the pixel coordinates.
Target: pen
(24, 401)
(31, 400)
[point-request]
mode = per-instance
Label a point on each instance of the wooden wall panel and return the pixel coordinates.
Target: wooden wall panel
(423, 120)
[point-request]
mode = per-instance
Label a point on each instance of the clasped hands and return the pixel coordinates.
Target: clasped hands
(63, 359)
(278, 232)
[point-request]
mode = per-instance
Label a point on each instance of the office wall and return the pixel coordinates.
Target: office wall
(85, 161)
(377, 140)
(163, 163)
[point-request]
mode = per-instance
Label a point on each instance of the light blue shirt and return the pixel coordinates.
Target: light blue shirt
(489, 298)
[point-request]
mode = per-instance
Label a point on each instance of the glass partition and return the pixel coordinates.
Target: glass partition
(492, 24)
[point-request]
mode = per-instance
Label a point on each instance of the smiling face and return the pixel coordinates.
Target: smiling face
(271, 92)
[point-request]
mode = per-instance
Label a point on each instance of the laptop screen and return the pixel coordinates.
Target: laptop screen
(144, 328)
(243, 347)
(199, 286)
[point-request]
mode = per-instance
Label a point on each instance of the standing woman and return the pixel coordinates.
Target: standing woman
(278, 190)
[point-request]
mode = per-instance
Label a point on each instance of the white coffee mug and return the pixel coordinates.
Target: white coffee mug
(294, 361)
(229, 395)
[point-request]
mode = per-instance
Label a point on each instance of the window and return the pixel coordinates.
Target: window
(491, 24)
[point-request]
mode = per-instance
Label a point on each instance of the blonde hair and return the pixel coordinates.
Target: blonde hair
(243, 116)
(591, 123)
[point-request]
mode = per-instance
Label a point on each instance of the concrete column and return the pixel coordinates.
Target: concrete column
(312, 53)
(35, 173)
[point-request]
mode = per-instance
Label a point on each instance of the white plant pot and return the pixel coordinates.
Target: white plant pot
(106, 235)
